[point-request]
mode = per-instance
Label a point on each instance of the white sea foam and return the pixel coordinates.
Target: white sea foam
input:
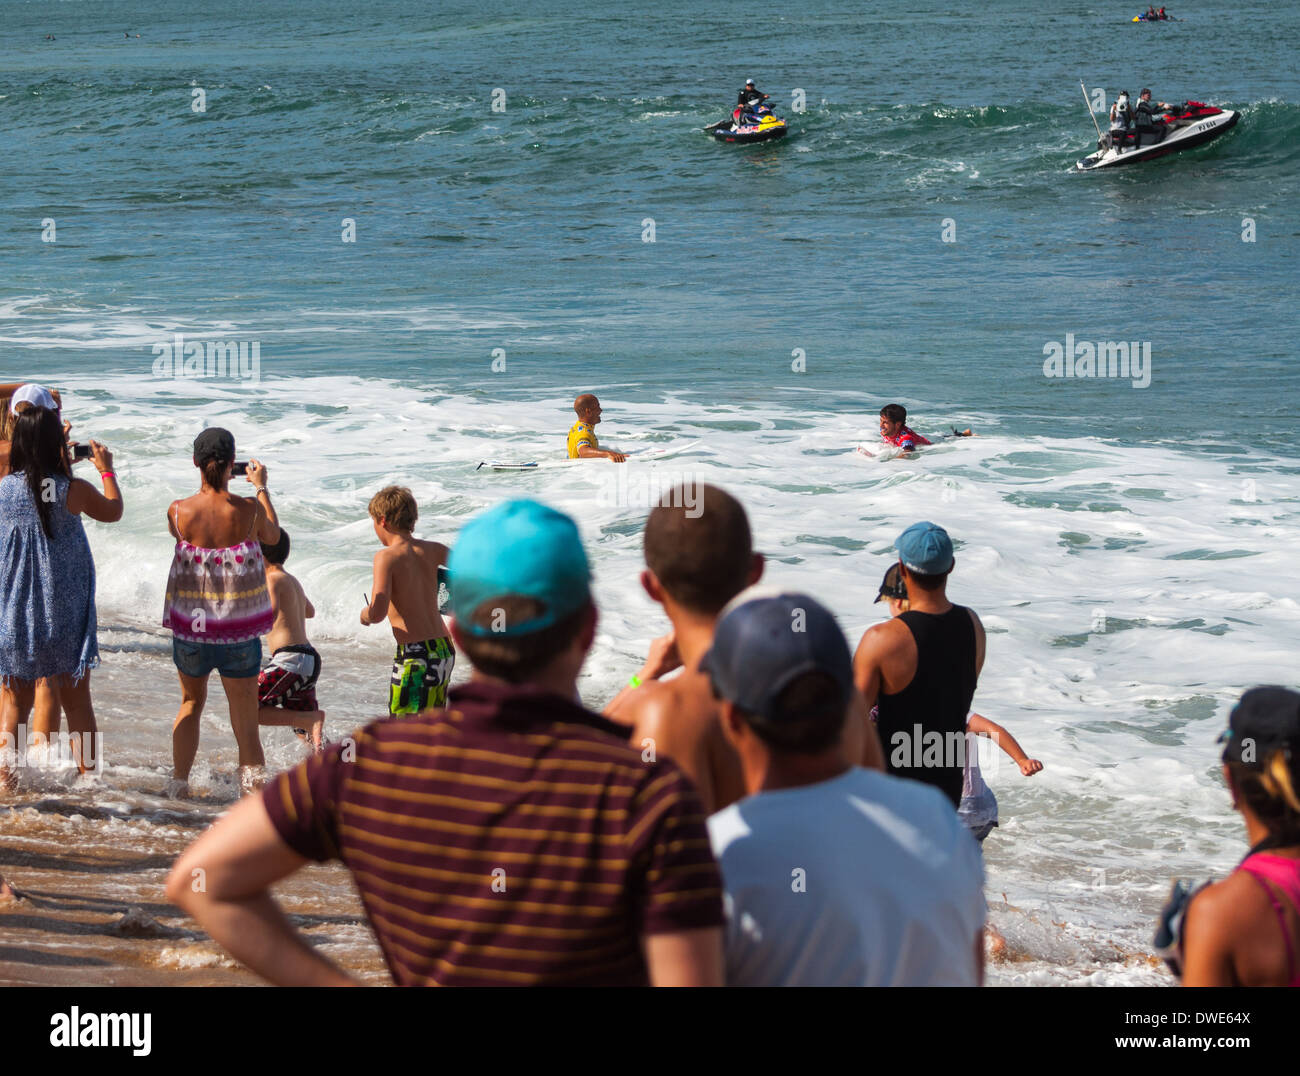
(1130, 593)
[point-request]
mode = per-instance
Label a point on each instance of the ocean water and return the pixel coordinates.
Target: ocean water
(1130, 549)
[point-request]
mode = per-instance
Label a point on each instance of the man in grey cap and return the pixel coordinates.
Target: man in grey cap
(920, 668)
(833, 875)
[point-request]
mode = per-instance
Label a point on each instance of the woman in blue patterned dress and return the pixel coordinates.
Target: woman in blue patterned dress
(47, 575)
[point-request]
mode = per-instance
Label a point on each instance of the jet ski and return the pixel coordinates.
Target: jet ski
(758, 125)
(1189, 124)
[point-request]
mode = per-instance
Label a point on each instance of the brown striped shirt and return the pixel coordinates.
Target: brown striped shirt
(511, 839)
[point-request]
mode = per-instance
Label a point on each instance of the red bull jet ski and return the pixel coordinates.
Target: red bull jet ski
(757, 124)
(1186, 125)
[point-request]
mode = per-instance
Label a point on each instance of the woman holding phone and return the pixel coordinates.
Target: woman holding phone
(217, 605)
(47, 573)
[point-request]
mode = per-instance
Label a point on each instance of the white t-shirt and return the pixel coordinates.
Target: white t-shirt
(863, 880)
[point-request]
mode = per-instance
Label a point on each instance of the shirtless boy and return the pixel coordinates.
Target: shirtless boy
(582, 434)
(286, 688)
(694, 568)
(406, 592)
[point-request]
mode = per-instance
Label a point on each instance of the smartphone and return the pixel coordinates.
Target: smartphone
(81, 452)
(239, 467)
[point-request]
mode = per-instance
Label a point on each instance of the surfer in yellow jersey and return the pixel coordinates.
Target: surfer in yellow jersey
(582, 436)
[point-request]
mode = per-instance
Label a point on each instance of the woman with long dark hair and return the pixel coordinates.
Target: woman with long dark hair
(217, 605)
(47, 574)
(45, 715)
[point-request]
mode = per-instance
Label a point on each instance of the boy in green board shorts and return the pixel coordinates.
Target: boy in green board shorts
(406, 592)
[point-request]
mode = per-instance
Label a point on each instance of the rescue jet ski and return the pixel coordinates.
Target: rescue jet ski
(749, 125)
(1189, 124)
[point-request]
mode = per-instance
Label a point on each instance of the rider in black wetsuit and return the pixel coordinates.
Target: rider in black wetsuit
(749, 97)
(1149, 131)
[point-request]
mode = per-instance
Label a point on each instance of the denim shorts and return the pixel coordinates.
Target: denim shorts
(234, 660)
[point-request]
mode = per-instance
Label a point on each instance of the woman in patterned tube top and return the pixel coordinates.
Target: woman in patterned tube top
(217, 604)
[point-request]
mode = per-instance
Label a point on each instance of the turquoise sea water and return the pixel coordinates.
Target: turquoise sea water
(523, 229)
(1131, 549)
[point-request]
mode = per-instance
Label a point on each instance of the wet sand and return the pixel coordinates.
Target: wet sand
(95, 915)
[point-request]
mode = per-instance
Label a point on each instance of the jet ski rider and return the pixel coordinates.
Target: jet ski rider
(749, 97)
(1145, 119)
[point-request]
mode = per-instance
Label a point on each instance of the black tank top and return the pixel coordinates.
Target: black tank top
(938, 700)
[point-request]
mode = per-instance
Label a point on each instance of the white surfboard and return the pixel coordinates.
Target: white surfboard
(648, 456)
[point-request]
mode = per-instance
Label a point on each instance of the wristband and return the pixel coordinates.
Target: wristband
(635, 681)
(263, 489)
(107, 474)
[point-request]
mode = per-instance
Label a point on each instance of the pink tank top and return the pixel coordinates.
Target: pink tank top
(1284, 873)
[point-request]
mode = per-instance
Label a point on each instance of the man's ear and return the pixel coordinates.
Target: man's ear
(650, 583)
(733, 725)
(756, 565)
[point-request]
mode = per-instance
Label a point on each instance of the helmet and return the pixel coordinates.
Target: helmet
(749, 82)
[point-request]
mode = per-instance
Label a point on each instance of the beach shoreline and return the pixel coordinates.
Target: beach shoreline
(91, 855)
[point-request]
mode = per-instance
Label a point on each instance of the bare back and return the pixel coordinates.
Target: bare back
(215, 520)
(410, 569)
(684, 721)
(291, 607)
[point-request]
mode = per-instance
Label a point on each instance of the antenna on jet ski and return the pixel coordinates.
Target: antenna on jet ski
(1089, 104)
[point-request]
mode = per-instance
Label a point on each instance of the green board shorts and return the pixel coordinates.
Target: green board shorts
(421, 672)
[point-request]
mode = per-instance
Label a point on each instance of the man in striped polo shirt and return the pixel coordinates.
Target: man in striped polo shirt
(511, 839)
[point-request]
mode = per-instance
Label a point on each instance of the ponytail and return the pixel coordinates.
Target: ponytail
(1270, 791)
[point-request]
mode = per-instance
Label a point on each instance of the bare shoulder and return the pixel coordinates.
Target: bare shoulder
(975, 618)
(436, 550)
(682, 711)
(282, 582)
(1225, 905)
(648, 708)
(884, 637)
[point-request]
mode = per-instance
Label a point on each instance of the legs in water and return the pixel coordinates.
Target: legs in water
(16, 700)
(83, 732)
(241, 694)
(185, 731)
(308, 725)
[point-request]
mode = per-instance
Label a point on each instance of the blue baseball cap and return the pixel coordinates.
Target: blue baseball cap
(763, 644)
(926, 549)
(518, 549)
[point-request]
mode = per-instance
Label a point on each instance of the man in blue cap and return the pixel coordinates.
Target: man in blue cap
(513, 838)
(835, 875)
(920, 668)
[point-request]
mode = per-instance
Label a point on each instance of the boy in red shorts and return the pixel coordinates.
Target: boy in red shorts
(286, 688)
